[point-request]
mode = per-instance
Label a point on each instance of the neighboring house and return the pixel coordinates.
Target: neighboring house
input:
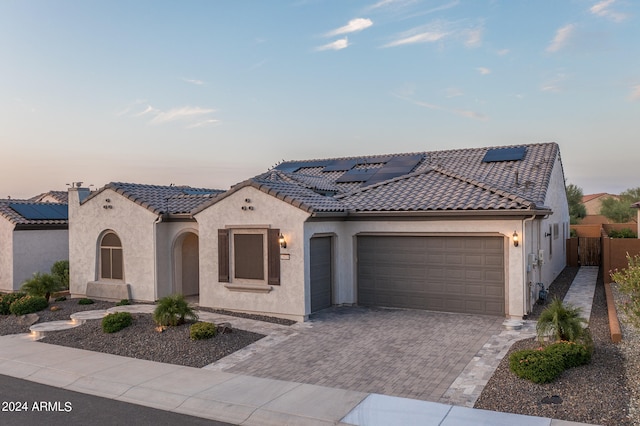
(51, 197)
(593, 203)
(134, 241)
(429, 230)
(637, 206)
(33, 236)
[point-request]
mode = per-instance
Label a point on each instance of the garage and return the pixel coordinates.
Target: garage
(453, 274)
(321, 273)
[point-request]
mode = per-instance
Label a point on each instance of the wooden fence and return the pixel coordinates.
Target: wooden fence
(584, 251)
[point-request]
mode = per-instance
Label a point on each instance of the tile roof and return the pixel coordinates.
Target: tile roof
(450, 180)
(52, 196)
(18, 219)
(162, 199)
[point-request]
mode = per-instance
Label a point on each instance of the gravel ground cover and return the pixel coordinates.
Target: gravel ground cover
(597, 393)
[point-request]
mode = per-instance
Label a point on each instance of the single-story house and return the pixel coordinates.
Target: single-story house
(33, 236)
(476, 230)
(593, 202)
(134, 241)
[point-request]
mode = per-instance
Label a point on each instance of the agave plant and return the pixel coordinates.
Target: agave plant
(560, 321)
(173, 310)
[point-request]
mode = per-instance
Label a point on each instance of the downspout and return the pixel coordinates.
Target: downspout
(155, 256)
(527, 290)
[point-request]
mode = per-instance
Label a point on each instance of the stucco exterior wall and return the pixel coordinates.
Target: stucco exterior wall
(133, 224)
(6, 255)
(345, 276)
(36, 251)
(284, 300)
(168, 254)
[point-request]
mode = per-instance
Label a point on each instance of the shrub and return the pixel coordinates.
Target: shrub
(117, 321)
(202, 330)
(42, 285)
(61, 270)
(573, 354)
(622, 233)
(123, 302)
(173, 310)
(562, 322)
(28, 305)
(7, 299)
(538, 366)
(628, 281)
(85, 301)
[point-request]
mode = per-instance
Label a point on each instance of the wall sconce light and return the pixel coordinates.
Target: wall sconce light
(282, 241)
(516, 239)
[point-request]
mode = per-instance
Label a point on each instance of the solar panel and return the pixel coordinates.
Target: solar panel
(41, 211)
(504, 154)
(292, 166)
(340, 165)
(356, 175)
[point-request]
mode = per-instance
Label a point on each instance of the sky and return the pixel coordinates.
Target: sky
(210, 93)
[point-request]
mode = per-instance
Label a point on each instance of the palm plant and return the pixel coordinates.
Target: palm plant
(42, 285)
(173, 310)
(562, 322)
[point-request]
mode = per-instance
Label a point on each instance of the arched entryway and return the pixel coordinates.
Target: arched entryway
(186, 265)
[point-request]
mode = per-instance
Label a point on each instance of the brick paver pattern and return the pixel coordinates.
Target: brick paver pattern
(406, 353)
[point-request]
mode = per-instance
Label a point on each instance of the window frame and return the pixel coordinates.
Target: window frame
(111, 249)
(270, 256)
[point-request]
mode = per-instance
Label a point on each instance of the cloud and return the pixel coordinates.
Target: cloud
(503, 52)
(563, 35)
(453, 92)
(635, 93)
(603, 9)
(190, 116)
(353, 26)
(184, 113)
(193, 81)
(425, 37)
(340, 44)
(474, 37)
(483, 70)
(554, 84)
(460, 112)
(393, 3)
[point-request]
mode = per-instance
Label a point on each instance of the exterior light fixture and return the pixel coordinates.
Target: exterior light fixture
(282, 241)
(516, 239)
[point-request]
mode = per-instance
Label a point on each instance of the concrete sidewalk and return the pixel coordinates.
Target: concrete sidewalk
(227, 397)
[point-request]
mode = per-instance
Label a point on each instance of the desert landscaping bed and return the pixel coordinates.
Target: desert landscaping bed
(596, 393)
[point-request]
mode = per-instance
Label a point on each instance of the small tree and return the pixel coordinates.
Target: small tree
(619, 210)
(628, 281)
(61, 270)
(562, 322)
(42, 285)
(577, 210)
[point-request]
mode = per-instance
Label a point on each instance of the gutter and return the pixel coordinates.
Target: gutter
(527, 292)
(433, 214)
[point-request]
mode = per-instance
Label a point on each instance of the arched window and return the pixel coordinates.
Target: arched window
(111, 257)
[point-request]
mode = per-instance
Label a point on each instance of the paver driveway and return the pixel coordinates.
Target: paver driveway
(407, 353)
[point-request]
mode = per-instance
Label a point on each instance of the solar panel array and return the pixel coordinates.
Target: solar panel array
(41, 211)
(392, 166)
(504, 154)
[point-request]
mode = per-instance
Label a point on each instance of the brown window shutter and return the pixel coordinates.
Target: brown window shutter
(223, 255)
(273, 254)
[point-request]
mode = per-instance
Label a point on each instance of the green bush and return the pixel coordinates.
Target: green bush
(173, 310)
(7, 299)
(628, 281)
(61, 270)
(622, 233)
(123, 302)
(42, 285)
(85, 301)
(28, 305)
(573, 354)
(117, 321)
(202, 330)
(561, 322)
(536, 365)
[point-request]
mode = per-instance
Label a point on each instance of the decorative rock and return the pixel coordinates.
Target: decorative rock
(513, 324)
(224, 328)
(28, 319)
(555, 399)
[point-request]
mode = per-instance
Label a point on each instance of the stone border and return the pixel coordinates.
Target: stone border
(614, 324)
